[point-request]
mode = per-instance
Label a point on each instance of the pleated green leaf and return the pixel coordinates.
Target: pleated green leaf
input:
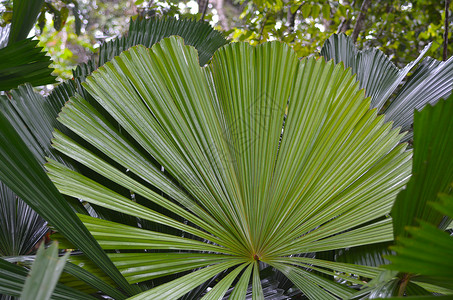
(380, 78)
(21, 227)
(432, 168)
(182, 285)
(91, 278)
(25, 13)
(44, 274)
(431, 81)
(375, 72)
(34, 119)
(12, 279)
(23, 62)
(147, 32)
(264, 160)
(435, 261)
(23, 173)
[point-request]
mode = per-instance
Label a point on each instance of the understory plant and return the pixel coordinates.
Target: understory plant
(272, 161)
(196, 178)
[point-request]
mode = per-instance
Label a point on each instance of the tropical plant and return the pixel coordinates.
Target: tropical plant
(395, 97)
(419, 204)
(380, 78)
(41, 281)
(251, 194)
(20, 59)
(224, 172)
(25, 107)
(22, 228)
(422, 211)
(44, 273)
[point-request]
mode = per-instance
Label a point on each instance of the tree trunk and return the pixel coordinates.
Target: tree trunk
(360, 19)
(218, 5)
(292, 18)
(445, 54)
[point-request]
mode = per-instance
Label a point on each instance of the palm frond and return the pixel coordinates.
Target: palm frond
(25, 14)
(21, 171)
(13, 277)
(380, 78)
(431, 81)
(147, 32)
(44, 274)
(21, 227)
(432, 168)
(375, 72)
(249, 192)
(23, 62)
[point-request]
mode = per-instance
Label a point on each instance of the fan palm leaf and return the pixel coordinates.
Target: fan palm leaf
(22, 228)
(22, 62)
(431, 81)
(34, 116)
(251, 192)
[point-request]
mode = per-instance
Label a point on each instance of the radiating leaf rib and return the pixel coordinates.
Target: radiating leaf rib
(72, 149)
(183, 285)
(304, 283)
(365, 271)
(199, 181)
(257, 289)
(252, 94)
(94, 128)
(377, 200)
(377, 232)
(111, 235)
(21, 226)
(336, 275)
(76, 185)
(22, 172)
(240, 289)
(190, 133)
(431, 81)
(137, 267)
(315, 190)
(281, 159)
(219, 290)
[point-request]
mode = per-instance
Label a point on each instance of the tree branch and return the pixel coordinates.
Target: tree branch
(202, 8)
(360, 19)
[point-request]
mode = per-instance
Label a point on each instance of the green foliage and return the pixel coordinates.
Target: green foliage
(204, 141)
(22, 62)
(241, 193)
(432, 169)
(22, 172)
(13, 279)
(25, 13)
(44, 273)
(380, 78)
(425, 250)
(147, 32)
(22, 227)
(402, 27)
